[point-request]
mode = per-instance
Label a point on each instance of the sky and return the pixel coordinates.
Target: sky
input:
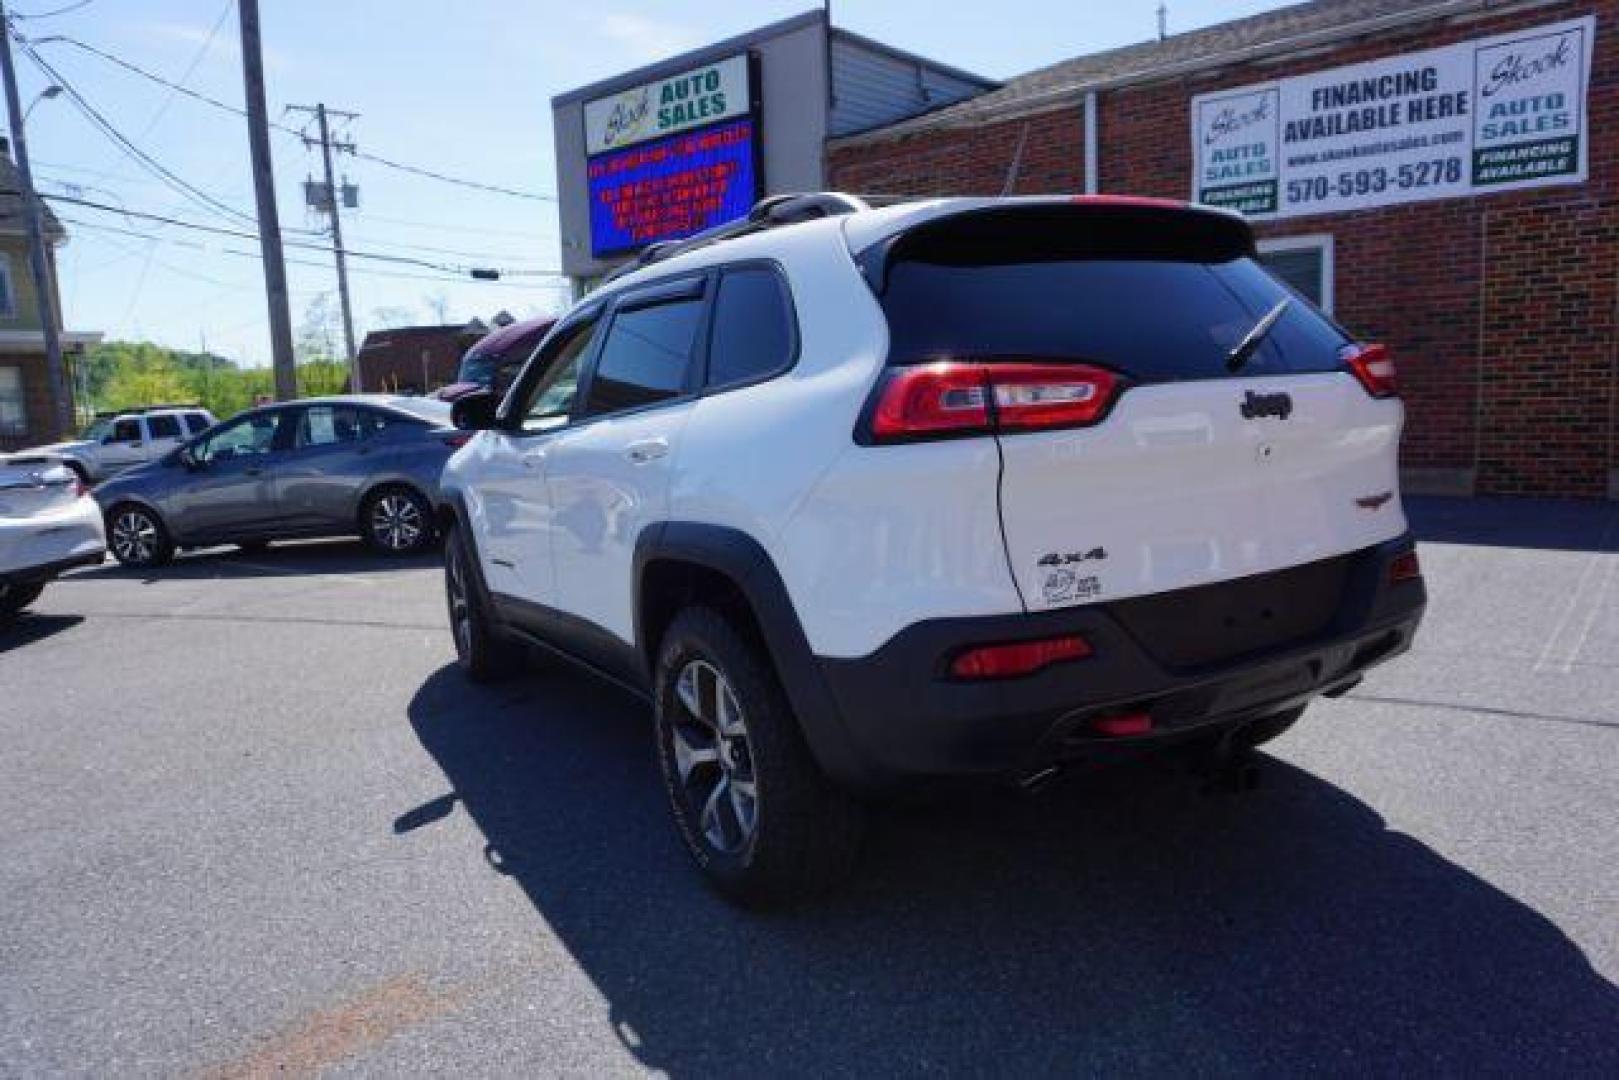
(462, 89)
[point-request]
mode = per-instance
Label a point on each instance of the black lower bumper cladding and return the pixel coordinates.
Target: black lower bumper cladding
(1192, 660)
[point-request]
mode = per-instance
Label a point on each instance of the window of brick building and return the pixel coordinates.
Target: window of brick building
(13, 409)
(1305, 263)
(8, 295)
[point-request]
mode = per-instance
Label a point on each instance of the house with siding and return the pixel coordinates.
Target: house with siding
(28, 413)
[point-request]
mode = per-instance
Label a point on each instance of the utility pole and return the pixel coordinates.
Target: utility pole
(275, 267)
(332, 198)
(38, 258)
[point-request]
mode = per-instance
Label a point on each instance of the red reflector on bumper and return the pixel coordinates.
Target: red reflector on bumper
(1404, 567)
(1136, 723)
(1017, 658)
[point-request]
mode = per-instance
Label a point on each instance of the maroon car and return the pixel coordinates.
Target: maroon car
(495, 360)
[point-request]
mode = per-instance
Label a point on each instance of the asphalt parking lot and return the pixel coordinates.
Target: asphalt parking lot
(254, 822)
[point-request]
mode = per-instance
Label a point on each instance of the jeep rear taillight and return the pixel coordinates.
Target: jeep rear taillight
(949, 398)
(1018, 658)
(1374, 367)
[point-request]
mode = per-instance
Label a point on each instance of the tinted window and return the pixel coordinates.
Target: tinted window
(377, 424)
(164, 427)
(1143, 296)
(126, 430)
(197, 422)
(646, 356)
(546, 401)
(328, 425)
(247, 437)
(753, 327)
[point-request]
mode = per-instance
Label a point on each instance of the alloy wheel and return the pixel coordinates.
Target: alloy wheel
(396, 521)
(134, 537)
(713, 758)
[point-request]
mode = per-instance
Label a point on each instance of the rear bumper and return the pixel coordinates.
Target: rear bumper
(903, 718)
(41, 547)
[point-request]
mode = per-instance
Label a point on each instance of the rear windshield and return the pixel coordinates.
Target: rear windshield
(1155, 295)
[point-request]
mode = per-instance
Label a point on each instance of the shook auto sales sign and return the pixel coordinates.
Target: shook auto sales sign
(692, 99)
(1488, 115)
(670, 158)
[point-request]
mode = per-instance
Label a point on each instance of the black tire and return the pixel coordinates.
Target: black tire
(1266, 728)
(137, 537)
(397, 520)
(482, 652)
(805, 834)
(14, 598)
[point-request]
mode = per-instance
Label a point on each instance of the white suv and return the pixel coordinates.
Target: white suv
(968, 488)
(114, 443)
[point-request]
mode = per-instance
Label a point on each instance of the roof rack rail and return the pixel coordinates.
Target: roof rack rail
(136, 410)
(768, 213)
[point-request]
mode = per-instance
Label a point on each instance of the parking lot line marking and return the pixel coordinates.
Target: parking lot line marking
(1602, 557)
(1597, 604)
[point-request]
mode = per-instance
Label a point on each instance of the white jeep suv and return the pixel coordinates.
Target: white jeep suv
(967, 488)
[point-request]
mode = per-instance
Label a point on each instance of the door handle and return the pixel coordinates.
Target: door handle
(646, 450)
(534, 458)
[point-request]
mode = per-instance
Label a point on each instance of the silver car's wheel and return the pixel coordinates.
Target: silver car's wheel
(714, 759)
(137, 538)
(397, 521)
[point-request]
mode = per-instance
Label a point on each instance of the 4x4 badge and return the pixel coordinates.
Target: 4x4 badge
(1255, 405)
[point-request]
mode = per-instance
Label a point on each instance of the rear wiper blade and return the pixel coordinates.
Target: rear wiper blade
(1245, 349)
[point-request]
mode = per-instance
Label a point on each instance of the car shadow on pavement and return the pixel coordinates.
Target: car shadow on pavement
(1550, 524)
(1126, 923)
(293, 558)
(30, 628)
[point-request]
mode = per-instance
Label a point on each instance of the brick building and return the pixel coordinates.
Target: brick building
(415, 359)
(1501, 307)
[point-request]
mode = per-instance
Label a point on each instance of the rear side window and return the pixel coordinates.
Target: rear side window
(375, 424)
(196, 423)
(753, 327)
(646, 356)
(1153, 295)
(164, 427)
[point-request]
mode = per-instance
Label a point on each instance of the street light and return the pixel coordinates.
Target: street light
(49, 92)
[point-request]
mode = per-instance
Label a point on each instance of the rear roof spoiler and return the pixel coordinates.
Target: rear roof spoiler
(983, 225)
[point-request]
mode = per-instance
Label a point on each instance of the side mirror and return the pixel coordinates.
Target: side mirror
(475, 411)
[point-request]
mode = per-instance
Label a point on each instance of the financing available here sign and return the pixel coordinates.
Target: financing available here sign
(1488, 115)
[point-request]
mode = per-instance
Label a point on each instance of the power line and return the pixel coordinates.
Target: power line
(191, 68)
(107, 128)
(370, 271)
(63, 10)
(390, 163)
(474, 184)
(308, 245)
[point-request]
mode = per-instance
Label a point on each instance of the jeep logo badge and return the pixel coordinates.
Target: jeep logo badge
(1255, 406)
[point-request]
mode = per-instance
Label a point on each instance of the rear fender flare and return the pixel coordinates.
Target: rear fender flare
(744, 561)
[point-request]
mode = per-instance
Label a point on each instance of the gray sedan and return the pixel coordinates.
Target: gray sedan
(340, 466)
